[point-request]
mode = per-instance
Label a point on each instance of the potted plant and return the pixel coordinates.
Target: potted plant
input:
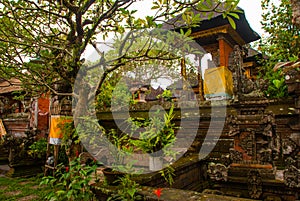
(156, 136)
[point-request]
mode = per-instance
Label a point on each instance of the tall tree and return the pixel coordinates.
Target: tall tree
(55, 34)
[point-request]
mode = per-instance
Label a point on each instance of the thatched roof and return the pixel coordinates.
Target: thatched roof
(7, 86)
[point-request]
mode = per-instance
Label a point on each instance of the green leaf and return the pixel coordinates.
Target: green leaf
(60, 192)
(231, 22)
(181, 32)
(234, 15)
(184, 16)
(277, 83)
(155, 7)
(188, 33)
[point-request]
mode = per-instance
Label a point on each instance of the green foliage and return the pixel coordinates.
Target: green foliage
(281, 44)
(119, 148)
(168, 174)
(276, 84)
(166, 95)
(55, 41)
(158, 134)
(25, 186)
(38, 149)
(71, 183)
(127, 190)
(109, 93)
(69, 133)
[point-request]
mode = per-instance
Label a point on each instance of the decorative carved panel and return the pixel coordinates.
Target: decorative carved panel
(217, 172)
(254, 184)
(246, 142)
(254, 137)
(291, 174)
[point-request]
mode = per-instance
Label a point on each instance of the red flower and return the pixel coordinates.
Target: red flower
(77, 153)
(157, 192)
(67, 169)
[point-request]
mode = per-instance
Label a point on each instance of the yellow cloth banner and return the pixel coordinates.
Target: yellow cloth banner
(56, 124)
(2, 129)
(218, 81)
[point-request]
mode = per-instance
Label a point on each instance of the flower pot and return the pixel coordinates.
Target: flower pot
(155, 163)
(112, 176)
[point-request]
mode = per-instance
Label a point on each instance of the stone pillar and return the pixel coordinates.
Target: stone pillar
(292, 169)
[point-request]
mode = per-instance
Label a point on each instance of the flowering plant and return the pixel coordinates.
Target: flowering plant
(157, 192)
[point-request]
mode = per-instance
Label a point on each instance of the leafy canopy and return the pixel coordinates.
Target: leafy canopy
(42, 42)
(281, 44)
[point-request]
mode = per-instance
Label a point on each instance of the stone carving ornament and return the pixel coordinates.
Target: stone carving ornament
(259, 142)
(254, 184)
(291, 174)
(235, 155)
(217, 172)
(247, 142)
(232, 123)
(242, 86)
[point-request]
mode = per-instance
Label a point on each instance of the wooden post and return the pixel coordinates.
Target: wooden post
(183, 73)
(200, 81)
(225, 50)
(56, 151)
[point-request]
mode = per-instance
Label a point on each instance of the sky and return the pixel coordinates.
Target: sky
(253, 13)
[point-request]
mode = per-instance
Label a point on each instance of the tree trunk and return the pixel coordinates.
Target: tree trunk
(296, 12)
(81, 106)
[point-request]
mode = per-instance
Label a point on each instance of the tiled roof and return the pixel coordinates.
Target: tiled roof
(7, 86)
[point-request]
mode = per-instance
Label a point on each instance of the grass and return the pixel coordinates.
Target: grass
(22, 189)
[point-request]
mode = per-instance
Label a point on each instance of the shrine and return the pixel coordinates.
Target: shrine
(257, 153)
(21, 123)
(222, 41)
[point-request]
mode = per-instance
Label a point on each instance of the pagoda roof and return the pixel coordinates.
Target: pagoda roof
(243, 29)
(154, 93)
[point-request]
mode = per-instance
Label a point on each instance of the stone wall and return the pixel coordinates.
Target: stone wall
(190, 174)
(193, 173)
